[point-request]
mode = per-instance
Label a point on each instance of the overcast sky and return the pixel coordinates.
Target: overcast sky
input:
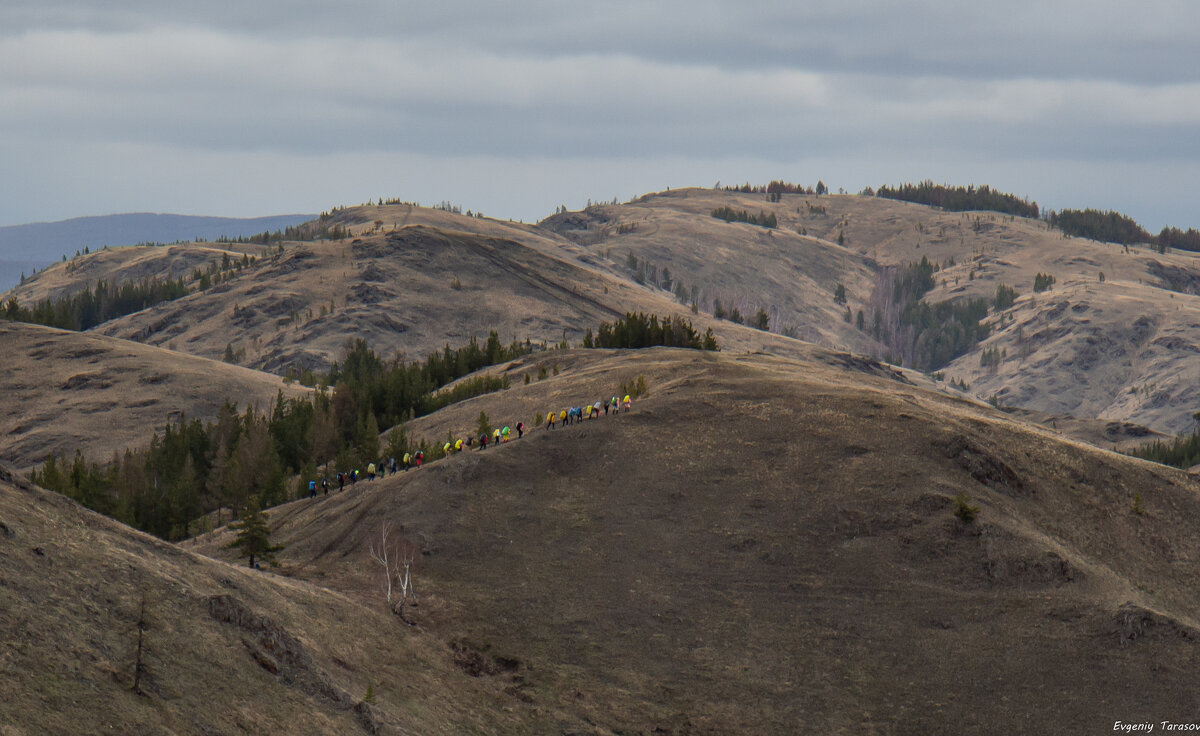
(245, 109)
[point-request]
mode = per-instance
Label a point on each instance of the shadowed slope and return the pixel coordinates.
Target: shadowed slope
(223, 649)
(764, 543)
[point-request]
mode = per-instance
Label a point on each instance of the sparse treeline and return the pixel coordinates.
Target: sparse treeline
(960, 199)
(90, 307)
(915, 333)
(729, 214)
(778, 187)
(1181, 452)
(195, 467)
(308, 231)
(1106, 227)
(393, 391)
(1114, 227)
(642, 331)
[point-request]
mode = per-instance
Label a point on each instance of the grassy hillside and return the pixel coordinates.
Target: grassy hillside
(223, 649)
(418, 278)
(66, 391)
(409, 291)
(1118, 349)
(765, 542)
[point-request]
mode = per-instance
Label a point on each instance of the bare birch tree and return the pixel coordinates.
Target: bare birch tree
(395, 555)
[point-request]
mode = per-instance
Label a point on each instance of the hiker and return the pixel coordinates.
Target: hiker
(495, 438)
(458, 445)
(504, 433)
(520, 430)
(550, 417)
(587, 412)
(596, 410)
(312, 489)
(562, 417)
(446, 449)
(325, 485)
(341, 477)
(483, 441)
(407, 461)
(370, 471)
(628, 403)
(420, 458)
(616, 407)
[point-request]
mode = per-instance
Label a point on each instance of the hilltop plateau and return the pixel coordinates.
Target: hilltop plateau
(766, 545)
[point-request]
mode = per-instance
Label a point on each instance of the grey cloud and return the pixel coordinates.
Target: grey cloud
(1148, 42)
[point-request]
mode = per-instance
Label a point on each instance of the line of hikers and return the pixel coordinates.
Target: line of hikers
(587, 411)
(415, 459)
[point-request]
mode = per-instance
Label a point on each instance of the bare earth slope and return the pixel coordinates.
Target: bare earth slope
(224, 649)
(67, 390)
(770, 546)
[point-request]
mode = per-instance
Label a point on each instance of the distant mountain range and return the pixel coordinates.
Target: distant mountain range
(24, 248)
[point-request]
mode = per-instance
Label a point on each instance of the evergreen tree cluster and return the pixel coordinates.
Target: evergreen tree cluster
(1042, 282)
(321, 229)
(637, 330)
(960, 199)
(776, 187)
(195, 467)
(1115, 227)
(216, 274)
(1106, 227)
(1005, 297)
(1173, 237)
(87, 308)
(924, 336)
(992, 357)
(1181, 452)
(728, 214)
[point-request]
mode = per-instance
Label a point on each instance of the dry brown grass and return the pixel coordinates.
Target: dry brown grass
(766, 545)
(300, 662)
(66, 390)
(1078, 350)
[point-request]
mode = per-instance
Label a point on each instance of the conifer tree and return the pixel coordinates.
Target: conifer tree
(253, 535)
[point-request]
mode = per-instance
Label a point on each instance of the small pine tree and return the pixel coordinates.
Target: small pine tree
(963, 508)
(482, 425)
(762, 320)
(253, 535)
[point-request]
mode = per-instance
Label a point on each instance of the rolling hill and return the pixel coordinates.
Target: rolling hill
(768, 542)
(1117, 350)
(780, 537)
(67, 390)
(222, 649)
(1114, 337)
